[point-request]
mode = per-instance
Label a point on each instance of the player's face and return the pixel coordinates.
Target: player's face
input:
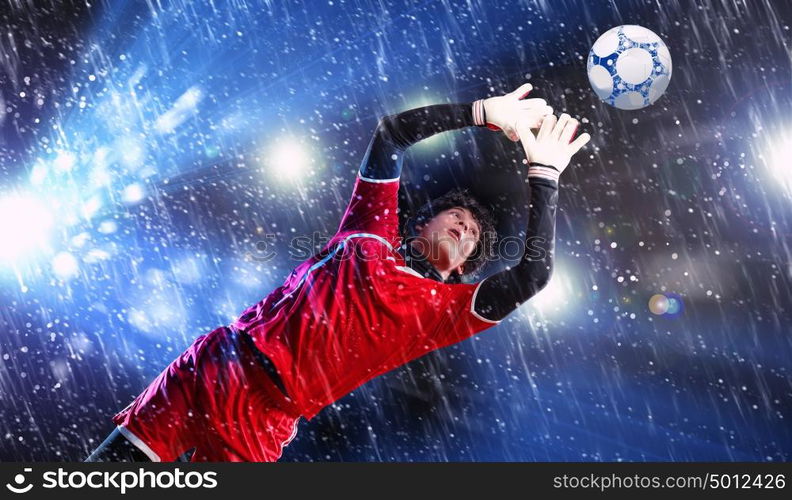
(452, 236)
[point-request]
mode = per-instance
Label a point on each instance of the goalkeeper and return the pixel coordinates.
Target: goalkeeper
(367, 303)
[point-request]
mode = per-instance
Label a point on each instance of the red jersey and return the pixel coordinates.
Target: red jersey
(355, 310)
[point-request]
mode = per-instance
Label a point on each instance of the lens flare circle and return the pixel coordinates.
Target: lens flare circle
(666, 304)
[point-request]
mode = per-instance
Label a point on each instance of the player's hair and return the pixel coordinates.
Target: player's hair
(485, 248)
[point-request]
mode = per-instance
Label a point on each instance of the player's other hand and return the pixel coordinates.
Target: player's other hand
(553, 144)
(501, 113)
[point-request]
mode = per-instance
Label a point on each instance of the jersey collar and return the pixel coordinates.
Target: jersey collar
(418, 263)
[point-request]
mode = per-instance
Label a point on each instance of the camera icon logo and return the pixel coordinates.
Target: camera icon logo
(19, 481)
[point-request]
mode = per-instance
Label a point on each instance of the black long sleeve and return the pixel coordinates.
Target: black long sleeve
(503, 292)
(395, 133)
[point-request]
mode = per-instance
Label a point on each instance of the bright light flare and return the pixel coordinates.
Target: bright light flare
(776, 158)
(559, 293)
(65, 266)
(65, 161)
(25, 224)
(134, 193)
(288, 159)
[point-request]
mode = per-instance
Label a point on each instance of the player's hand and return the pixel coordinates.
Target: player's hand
(501, 113)
(553, 145)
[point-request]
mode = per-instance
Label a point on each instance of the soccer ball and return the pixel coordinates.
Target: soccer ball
(629, 67)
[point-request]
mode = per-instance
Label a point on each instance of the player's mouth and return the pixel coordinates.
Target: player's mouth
(455, 234)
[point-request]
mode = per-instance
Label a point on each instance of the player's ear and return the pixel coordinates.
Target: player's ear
(460, 269)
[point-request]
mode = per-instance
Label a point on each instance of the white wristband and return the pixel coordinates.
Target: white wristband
(542, 171)
(479, 116)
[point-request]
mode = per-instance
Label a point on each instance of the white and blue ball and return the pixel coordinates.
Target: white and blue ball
(629, 67)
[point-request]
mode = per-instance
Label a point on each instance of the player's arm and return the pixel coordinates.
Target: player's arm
(372, 207)
(548, 154)
(395, 133)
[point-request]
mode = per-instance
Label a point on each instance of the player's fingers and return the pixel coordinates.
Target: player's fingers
(569, 131)
(559, 127)
(529, 143)
(547, 126)
(530, 118)
(578, 143)
(524, 122)
(539, 117)
(510, 133)
(522, 91)
(534, 103)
